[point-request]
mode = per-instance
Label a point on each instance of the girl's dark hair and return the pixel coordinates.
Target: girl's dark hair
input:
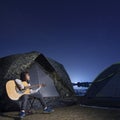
(23, 75)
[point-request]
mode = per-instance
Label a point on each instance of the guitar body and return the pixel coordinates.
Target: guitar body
(13, 92)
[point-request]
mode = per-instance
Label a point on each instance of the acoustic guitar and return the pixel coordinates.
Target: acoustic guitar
(14, 93)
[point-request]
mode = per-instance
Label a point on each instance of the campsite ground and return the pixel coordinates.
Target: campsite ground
(69, 113)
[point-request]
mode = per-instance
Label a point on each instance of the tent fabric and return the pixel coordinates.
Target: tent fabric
(59, 68)
(105, 89)
(103, 80)
(112, 88)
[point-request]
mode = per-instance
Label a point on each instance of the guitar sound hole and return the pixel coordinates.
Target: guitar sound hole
(19, 91)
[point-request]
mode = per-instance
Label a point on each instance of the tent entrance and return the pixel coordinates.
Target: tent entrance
(38, 76)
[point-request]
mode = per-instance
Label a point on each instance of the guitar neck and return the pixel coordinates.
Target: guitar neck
(30, 87)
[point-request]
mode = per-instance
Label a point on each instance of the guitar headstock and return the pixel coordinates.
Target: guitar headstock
(42, 85)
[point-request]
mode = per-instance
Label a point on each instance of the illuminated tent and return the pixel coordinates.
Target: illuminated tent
(105, 89)
(42, 70)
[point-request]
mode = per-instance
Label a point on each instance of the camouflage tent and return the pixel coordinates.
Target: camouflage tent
(41, 68)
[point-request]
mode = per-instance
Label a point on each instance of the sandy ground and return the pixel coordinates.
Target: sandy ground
(68, 113)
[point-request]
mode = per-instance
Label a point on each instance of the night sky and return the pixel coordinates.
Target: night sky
(83, 35)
